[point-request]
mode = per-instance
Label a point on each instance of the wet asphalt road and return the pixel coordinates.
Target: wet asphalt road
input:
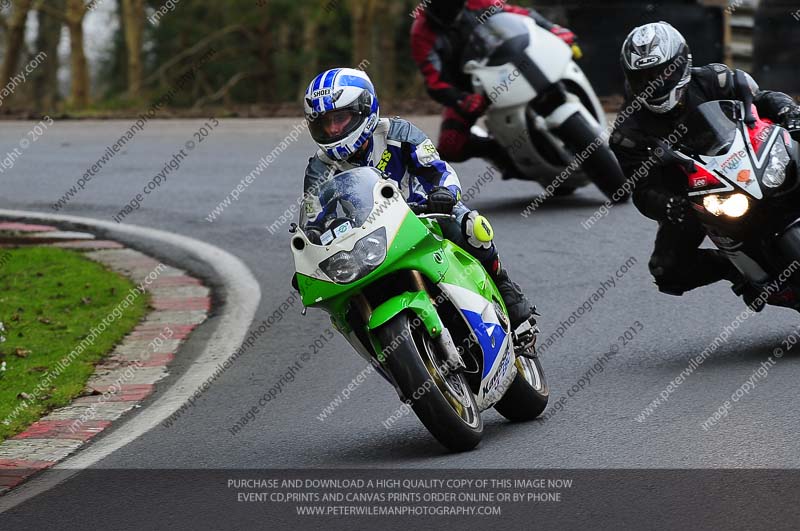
(557, 261)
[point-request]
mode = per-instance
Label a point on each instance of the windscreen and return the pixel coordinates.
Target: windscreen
(346, 201)
(711, 128)
(489, 35)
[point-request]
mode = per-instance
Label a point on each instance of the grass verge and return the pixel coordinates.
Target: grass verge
(50, 299)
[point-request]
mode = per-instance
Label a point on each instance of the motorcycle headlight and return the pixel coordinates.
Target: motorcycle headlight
(734, 205)
(348, 266)
(776, 171)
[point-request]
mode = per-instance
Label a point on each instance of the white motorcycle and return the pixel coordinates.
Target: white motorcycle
(544, 111)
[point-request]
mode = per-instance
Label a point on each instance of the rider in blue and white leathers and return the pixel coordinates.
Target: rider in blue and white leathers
(343, 116)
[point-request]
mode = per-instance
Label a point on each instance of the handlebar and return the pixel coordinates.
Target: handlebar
(416, 208)
(436, 216)
(422, 212)
(746, 94)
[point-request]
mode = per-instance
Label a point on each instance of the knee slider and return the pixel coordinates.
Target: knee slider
(663, 265)
(477, 230)
(655, 267)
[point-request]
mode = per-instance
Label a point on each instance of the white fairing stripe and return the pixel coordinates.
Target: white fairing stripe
(464, 299)
(767, 149)
(742, 143)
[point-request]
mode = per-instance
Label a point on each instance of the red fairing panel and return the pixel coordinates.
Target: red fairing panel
(760, 133)
(701, 178)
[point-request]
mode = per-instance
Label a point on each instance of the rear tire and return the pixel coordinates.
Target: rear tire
(601, 165)
(528, 394)
(563, 191)
(444, 402)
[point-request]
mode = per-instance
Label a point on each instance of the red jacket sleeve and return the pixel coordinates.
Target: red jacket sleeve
(516, 9)
(423, 41)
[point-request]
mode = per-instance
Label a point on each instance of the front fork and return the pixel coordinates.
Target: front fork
(444, 341)
(440, 334)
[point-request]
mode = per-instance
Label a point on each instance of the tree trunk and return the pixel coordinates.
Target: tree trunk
(391, 12)
(15, 39)
(265, 49)
(120, 68)
(284, 78)
(80, 68)
(363, 14)
(45, 86)
(310, 49)
(133, 14)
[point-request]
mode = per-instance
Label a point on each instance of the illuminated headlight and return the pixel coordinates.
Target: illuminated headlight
(776, 171)
(734, 205)
(348, 266)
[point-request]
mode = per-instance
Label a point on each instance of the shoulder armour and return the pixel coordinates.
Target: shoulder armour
(401, 130)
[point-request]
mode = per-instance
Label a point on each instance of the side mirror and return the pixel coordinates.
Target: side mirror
(745, 94)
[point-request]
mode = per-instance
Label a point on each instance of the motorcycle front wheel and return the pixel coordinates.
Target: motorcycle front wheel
(441, 399)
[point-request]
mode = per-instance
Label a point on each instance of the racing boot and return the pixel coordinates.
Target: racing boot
(478, 239)
(750, 294)
(518, 306)
(491, 150)
(520, 312)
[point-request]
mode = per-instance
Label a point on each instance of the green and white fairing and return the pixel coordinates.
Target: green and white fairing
(361, 233)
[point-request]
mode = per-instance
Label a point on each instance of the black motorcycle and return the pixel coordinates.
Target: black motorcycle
(743, 184)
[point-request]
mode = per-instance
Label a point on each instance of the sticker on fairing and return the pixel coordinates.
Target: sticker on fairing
(330, 235)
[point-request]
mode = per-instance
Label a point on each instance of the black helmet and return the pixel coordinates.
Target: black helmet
(444, 12)
(658, 65)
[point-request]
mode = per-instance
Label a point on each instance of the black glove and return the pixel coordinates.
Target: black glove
(790, 118)
(677, 210)
(441, 201)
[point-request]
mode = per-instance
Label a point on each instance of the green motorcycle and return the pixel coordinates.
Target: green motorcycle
(422, 310)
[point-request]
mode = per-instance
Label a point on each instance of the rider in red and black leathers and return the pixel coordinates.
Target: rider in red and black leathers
(436, 43)
(678, 264)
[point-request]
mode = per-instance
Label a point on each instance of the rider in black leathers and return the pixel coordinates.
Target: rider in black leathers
(677, 264)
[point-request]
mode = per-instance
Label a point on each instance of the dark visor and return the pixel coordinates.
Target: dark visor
(657, 82)
(334, 126)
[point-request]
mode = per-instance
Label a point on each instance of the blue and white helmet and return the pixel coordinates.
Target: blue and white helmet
(342, 111)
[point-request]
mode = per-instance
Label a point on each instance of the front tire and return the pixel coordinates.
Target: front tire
(443, 402)
(528, 394)
(601, 165)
